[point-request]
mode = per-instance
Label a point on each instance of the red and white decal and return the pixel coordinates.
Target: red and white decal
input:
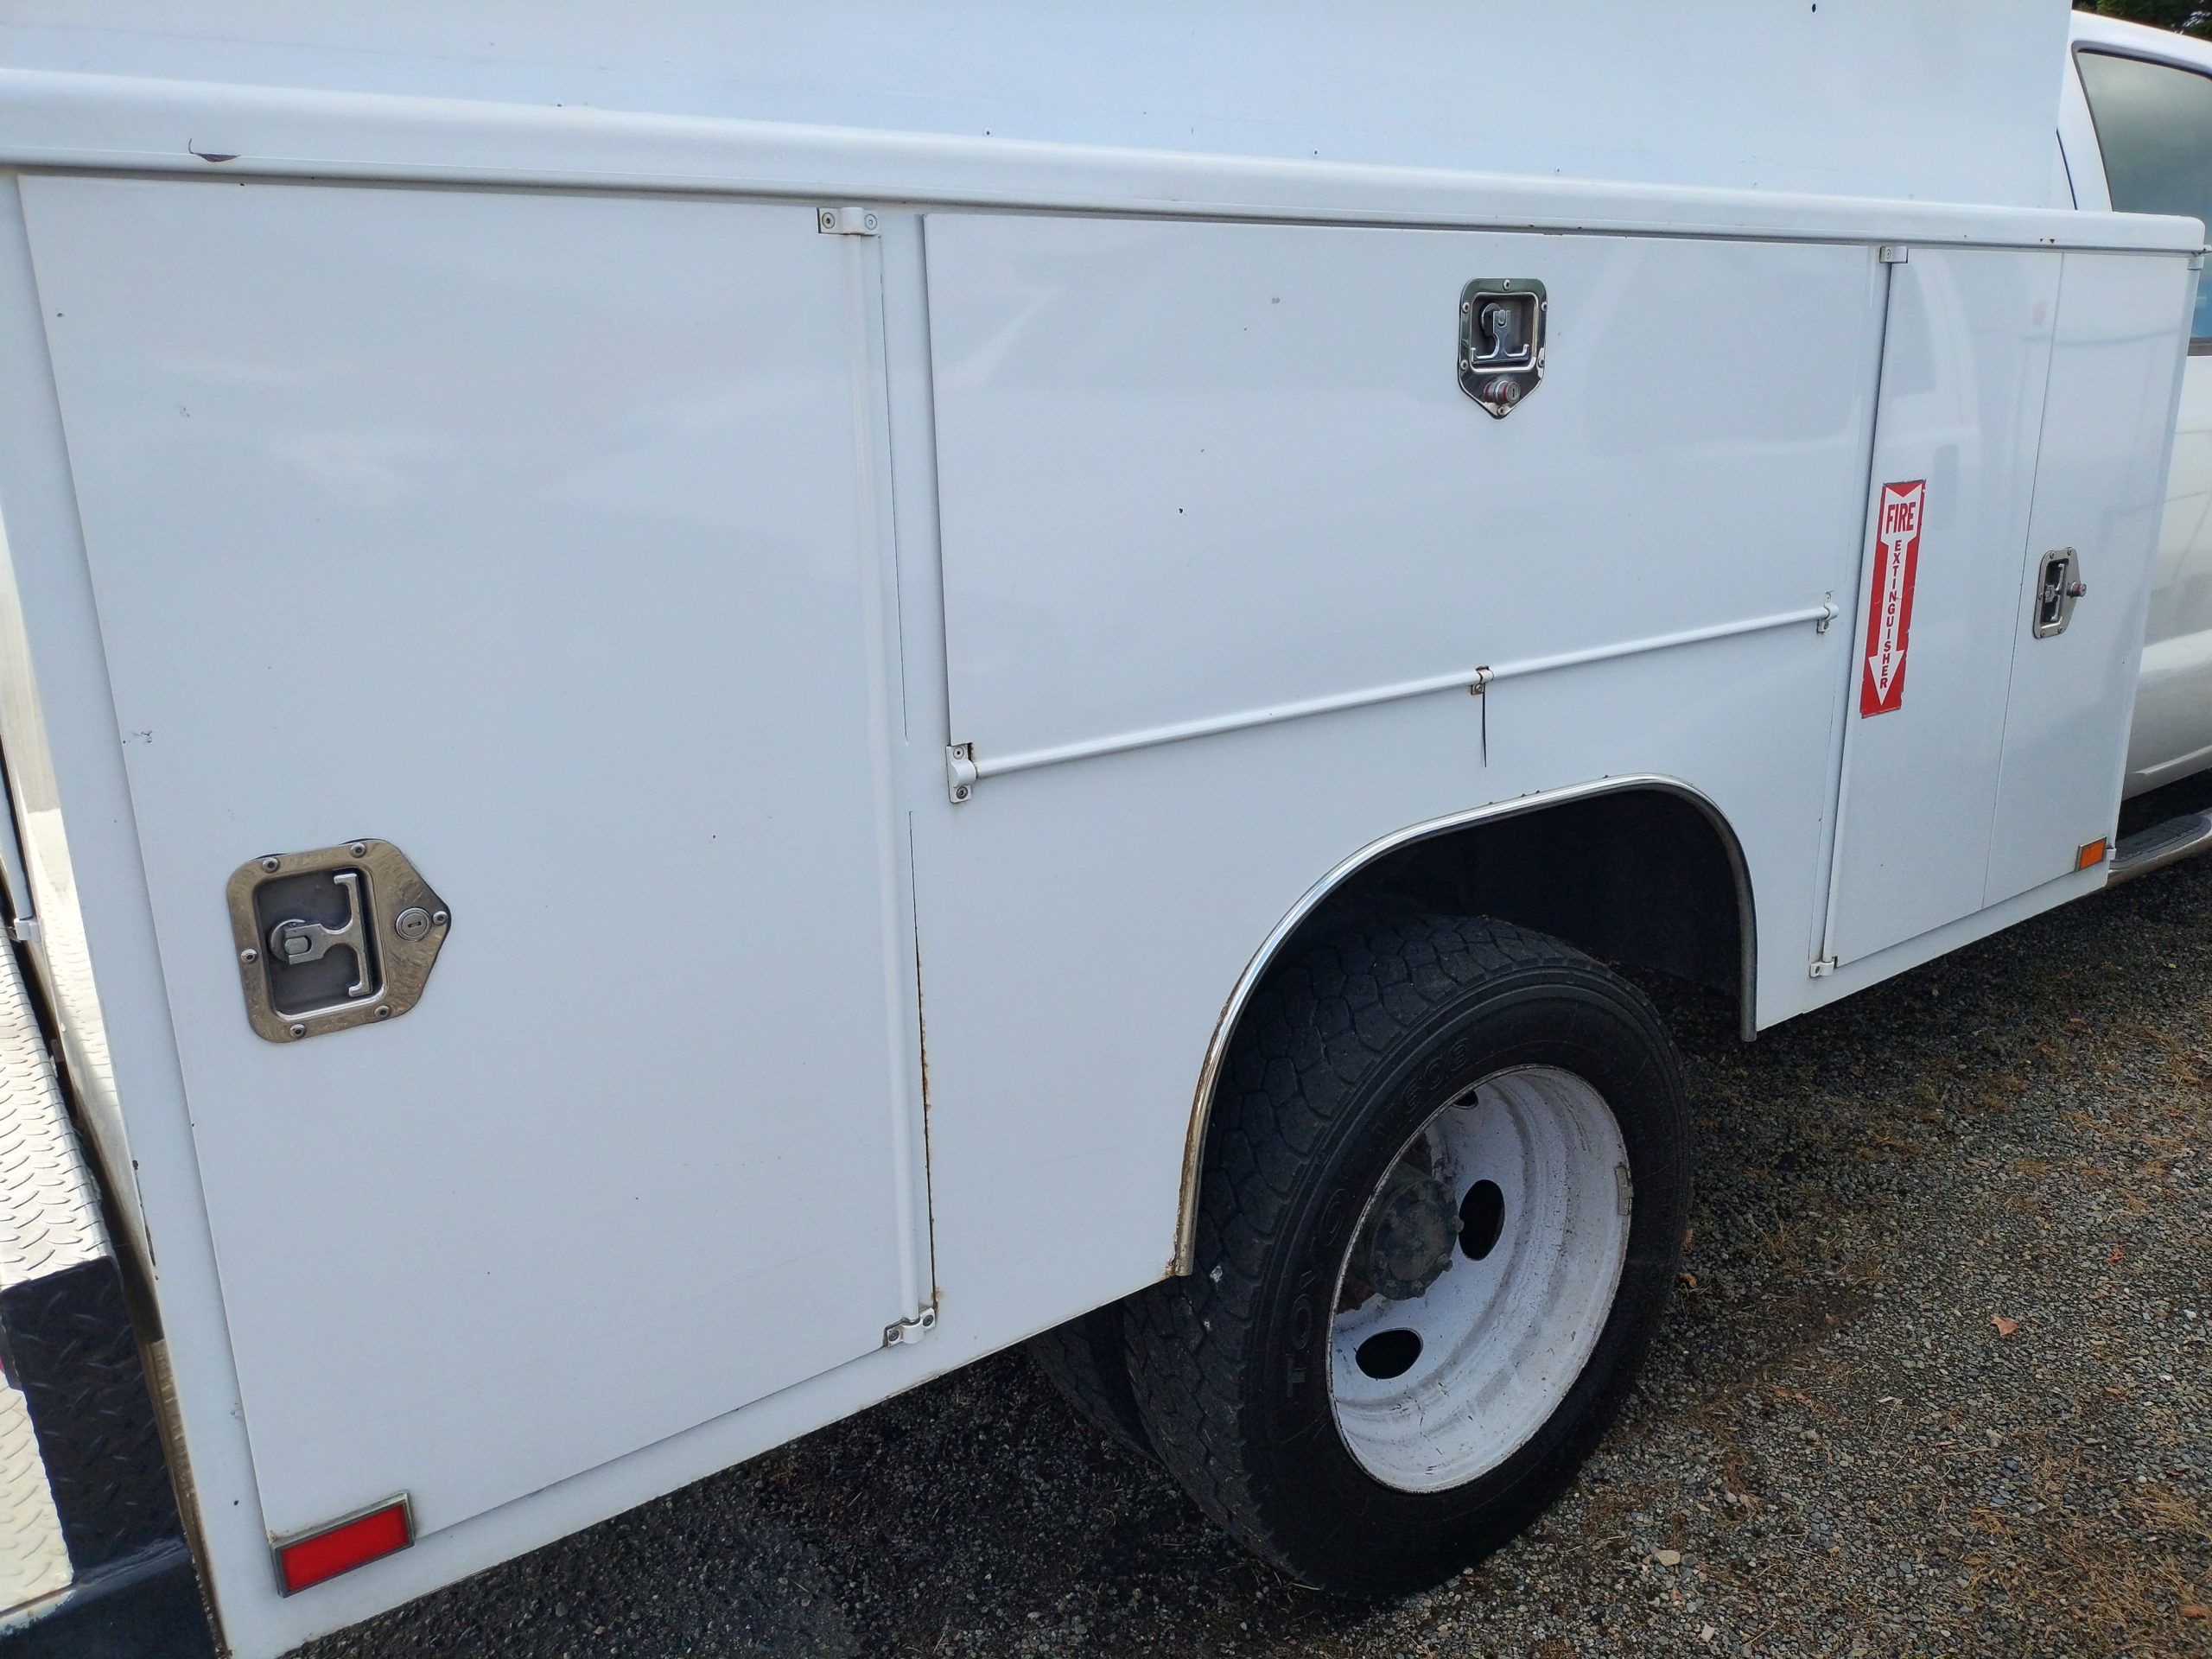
(1889, 611)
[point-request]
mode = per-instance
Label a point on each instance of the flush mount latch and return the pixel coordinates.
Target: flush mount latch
(2057, 586)
(296, 943)
(1502, 322)
(342, 936)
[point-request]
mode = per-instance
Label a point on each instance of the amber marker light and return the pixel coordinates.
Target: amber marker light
(2092, 854)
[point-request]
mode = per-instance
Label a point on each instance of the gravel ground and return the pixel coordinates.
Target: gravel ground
(1937, 1382)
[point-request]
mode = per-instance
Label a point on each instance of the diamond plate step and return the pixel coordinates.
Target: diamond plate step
(49, 1224)
(34, 1560)
(49, 1213)
(2159, 845)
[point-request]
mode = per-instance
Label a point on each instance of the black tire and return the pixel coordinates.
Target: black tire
(1084, 1360)
(1343, 1053)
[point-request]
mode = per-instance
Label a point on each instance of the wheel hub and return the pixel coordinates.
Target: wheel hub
(1438, 1376)
(1411, 1237)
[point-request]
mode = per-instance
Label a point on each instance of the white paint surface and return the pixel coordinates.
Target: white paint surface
(1940, 102)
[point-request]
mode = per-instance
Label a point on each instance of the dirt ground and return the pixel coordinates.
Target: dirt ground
(1937, 1382)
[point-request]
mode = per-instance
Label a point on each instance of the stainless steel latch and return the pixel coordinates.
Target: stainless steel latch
(338, 936)
(298, 941)
(1502, 322)
(2057, 587)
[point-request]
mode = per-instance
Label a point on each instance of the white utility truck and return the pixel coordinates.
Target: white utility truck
(710, 708)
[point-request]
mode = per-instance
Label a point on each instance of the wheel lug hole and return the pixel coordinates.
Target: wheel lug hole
(1388, 1354)
(1482, 1218)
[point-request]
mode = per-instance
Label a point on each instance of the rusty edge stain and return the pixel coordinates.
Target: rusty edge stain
(922, 1053)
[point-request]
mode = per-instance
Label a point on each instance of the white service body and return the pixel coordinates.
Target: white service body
(647, 497)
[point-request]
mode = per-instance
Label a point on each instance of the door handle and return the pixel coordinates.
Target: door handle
(294, 944)
(2057, 587)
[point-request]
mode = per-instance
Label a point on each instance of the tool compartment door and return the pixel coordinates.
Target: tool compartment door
(2024, 404)
(1192, 473)
(1964, 365)
(531, 533)
(2100, 480)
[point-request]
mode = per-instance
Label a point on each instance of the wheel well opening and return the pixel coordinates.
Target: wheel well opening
(1646, 876)
(1642, 877)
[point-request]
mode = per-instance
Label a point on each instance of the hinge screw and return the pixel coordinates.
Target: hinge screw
(249, 955)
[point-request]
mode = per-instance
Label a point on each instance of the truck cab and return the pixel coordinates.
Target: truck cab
(2135, 134)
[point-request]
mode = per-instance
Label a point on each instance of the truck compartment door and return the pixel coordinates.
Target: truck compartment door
(532, 534)
(1964, 363)
(1979, 757)
(2100, 496)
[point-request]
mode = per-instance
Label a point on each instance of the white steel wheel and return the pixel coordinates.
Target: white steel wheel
(1479, 1279)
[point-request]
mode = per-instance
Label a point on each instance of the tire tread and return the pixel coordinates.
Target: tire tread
(1084, 1360)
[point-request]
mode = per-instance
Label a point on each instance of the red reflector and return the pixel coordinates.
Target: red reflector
(345, 1545)
(2091, 855)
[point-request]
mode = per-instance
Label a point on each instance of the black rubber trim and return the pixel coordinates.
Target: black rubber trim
(146, 1607)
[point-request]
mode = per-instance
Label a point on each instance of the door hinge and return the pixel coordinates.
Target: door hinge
(2197, 260)
(960, 773)
(24, 930)
(1823, 966)
(1896, 253)
(911, 1330)
(845, 221)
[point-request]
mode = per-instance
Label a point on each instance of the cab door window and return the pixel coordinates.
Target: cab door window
(2154, 125)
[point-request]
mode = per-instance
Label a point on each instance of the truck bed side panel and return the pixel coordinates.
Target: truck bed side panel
(1192, 471)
